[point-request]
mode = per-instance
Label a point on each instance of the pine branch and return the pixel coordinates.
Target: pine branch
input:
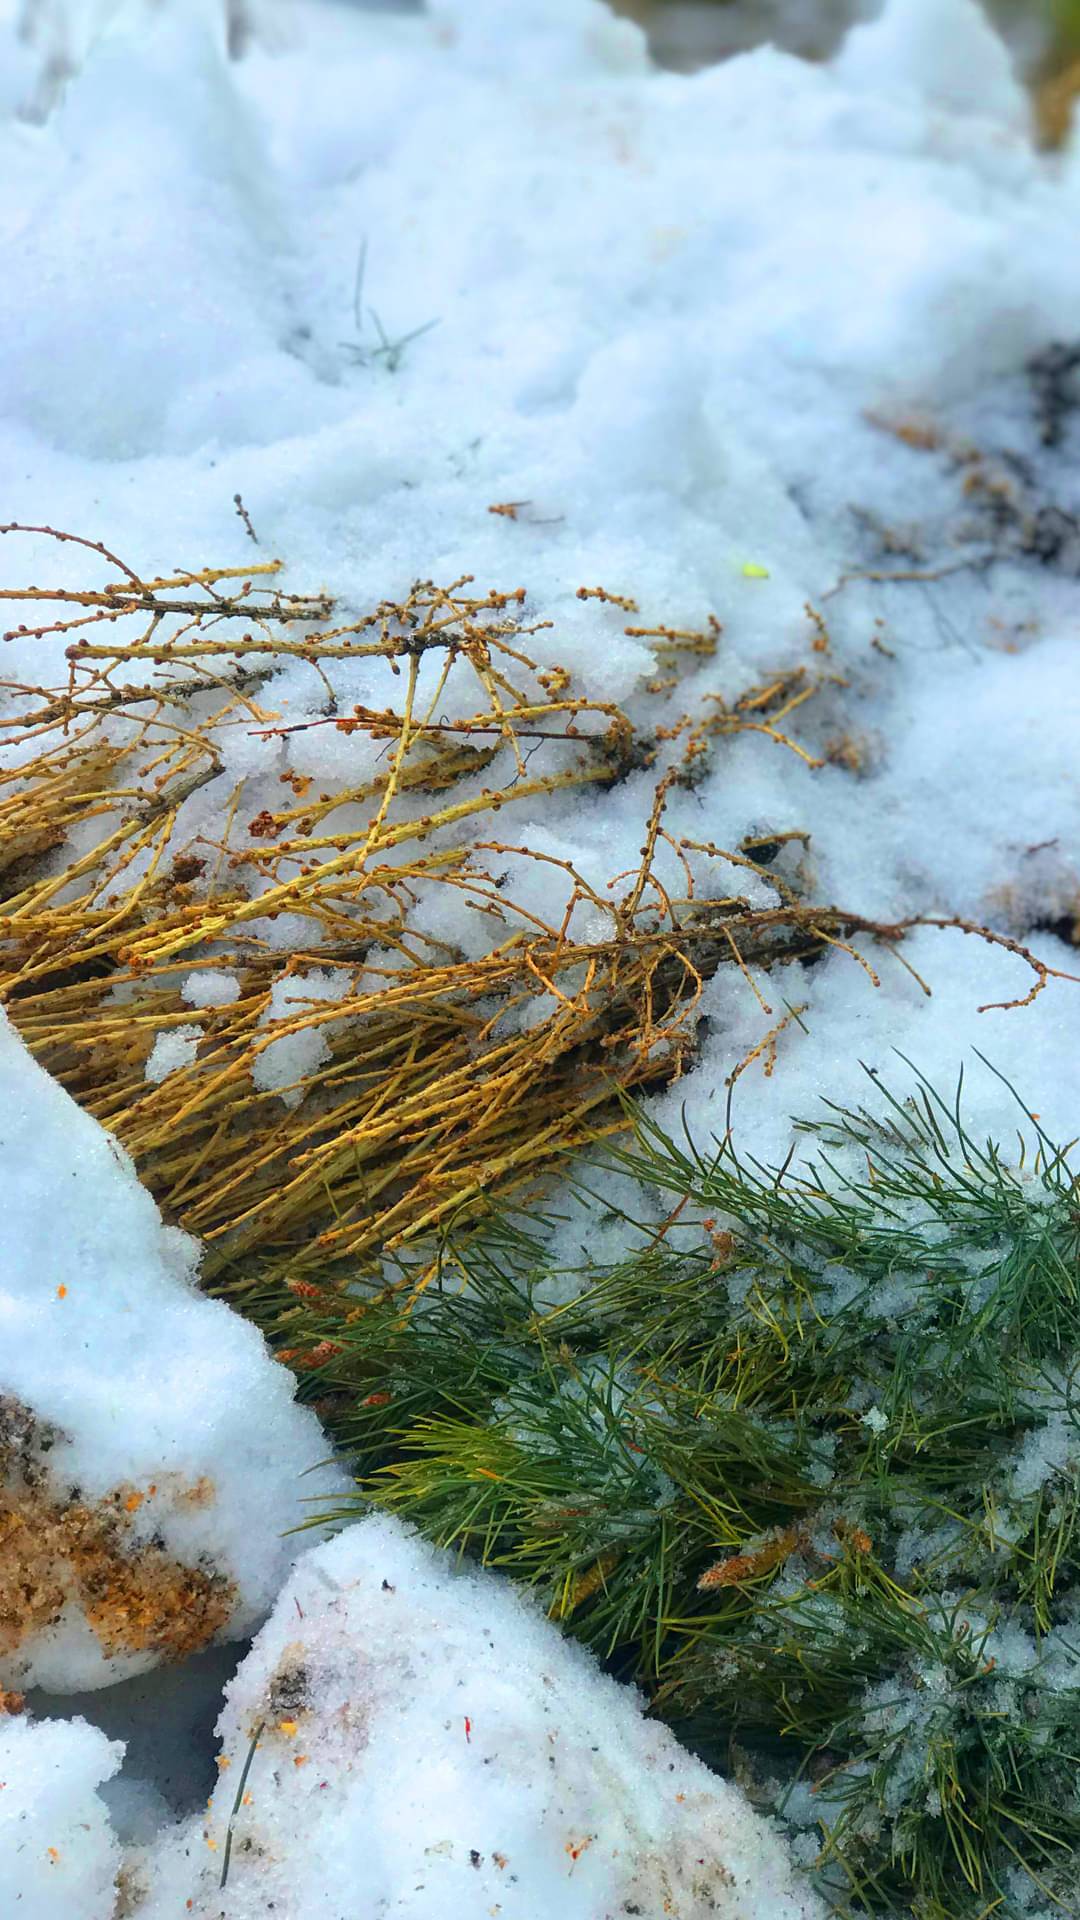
(802, 1466)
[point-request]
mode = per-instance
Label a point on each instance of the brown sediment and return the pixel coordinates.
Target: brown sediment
(58, 1549)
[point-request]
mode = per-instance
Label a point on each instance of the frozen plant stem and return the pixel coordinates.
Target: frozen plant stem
(389, 351)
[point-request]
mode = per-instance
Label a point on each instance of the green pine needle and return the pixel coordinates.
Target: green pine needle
(804, 1468)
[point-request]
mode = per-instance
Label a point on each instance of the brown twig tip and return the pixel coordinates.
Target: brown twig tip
(246, 518)
(75, 539)
(608, 599)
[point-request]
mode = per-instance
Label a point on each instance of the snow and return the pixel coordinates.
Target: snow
(944, 55)
(152, 1454)
(1048, 1453)
(284, 1061)
(58, 1853)
(893, 1032)
(174, 1048)
(164, 1721)
(426, 1730)
(211, 987)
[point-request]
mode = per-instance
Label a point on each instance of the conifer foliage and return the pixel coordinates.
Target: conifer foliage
(803, 1465)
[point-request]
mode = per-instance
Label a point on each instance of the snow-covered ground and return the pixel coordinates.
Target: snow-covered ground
(732, 342)
(151, 1450)
(60, 1854)
(426, 1732)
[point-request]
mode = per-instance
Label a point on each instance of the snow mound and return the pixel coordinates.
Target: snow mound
(944, 50)
(150, 1449)
(427, 1735)
(58, 1851)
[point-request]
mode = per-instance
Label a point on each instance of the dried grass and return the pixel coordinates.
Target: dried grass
(449, 1079)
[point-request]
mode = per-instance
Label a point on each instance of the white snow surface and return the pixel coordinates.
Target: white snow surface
(210, 987)
(284, 1061)
(59, 1856)
(433, 1740)
(175, 1047)
(151, 1391)
(965, 69)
